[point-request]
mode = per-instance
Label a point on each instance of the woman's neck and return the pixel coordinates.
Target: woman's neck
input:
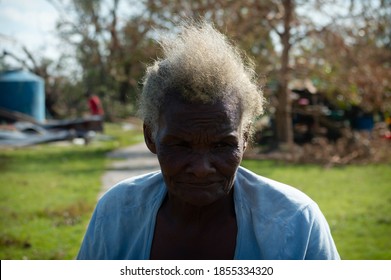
(183, 213)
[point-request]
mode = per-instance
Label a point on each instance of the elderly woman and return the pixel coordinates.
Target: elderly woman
(198, 104)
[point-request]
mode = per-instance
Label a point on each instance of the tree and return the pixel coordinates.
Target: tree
(348, 59)
(109, 50)
(284, 131)
(357, 59)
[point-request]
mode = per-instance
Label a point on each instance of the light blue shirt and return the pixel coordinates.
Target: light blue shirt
(275, 221)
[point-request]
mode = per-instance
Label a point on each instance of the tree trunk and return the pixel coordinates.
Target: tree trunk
(284, 127)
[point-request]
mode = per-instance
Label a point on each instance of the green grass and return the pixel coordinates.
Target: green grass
(47, 194)
(356, 201)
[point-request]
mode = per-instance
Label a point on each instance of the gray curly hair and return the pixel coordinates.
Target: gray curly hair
(202, 66)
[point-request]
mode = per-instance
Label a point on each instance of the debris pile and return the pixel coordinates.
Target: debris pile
(359, 147)
(20, 130)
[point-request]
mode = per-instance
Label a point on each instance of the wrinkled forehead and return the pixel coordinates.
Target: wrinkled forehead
(177, 109)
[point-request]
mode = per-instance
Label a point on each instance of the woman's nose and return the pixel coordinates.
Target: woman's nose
(201, 166)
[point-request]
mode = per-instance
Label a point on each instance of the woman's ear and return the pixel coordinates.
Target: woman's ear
(149, 141)
(246, 137)
(245, 140)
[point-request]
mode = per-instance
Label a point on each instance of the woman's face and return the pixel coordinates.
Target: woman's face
(199, 147)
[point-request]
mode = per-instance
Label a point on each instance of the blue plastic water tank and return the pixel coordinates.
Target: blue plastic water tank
(23, 92)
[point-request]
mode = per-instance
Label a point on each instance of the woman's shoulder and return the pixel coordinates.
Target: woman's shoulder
(260, 191)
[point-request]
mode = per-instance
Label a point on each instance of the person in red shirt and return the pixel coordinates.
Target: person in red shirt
(95, 105)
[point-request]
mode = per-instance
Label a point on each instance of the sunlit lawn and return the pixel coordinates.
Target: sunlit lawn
(356, 201)
(47, 194)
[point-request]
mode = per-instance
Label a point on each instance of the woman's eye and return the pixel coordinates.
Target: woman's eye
(182, 144)
(221, 145)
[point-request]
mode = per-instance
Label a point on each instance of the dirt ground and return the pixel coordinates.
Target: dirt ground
(128, 162)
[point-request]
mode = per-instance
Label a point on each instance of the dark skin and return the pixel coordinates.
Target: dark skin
(199, 147)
